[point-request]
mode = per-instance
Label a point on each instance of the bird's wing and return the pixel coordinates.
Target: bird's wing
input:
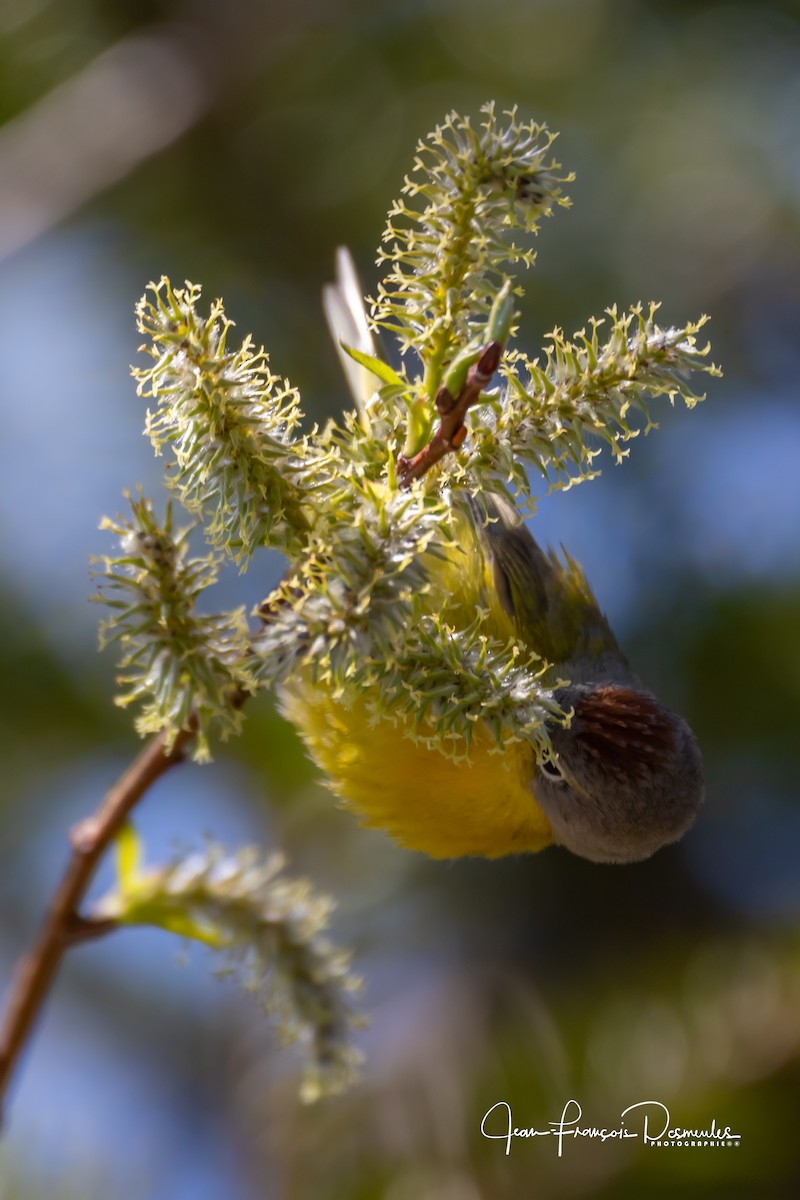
(546, 599)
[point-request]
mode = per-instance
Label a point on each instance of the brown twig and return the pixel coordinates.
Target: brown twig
(451, 431)
(63, 926)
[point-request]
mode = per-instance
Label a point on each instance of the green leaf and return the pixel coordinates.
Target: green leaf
(375, 365)
(128, 846)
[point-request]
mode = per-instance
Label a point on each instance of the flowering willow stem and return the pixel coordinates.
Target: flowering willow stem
(63, 926)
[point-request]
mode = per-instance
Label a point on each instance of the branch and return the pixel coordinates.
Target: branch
(63, 926)
(452, 410)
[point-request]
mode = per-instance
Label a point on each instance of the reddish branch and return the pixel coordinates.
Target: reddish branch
(451, 431)
(63, 926)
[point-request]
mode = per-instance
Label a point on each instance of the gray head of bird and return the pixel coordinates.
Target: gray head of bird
(626, 777)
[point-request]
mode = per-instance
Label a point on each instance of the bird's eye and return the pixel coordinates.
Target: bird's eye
(551, 770)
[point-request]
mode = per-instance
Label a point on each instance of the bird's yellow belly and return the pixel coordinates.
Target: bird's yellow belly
(426, 801)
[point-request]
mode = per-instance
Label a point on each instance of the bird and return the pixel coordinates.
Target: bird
(624, 774)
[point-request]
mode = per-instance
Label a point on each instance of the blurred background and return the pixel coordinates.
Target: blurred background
(237, 145)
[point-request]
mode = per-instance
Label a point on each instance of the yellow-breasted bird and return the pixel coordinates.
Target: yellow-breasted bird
(626, 775)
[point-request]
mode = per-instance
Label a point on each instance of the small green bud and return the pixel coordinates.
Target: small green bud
(498, 327)
(455, 376)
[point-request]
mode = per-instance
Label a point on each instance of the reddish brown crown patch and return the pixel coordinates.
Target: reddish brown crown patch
(625, 729)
